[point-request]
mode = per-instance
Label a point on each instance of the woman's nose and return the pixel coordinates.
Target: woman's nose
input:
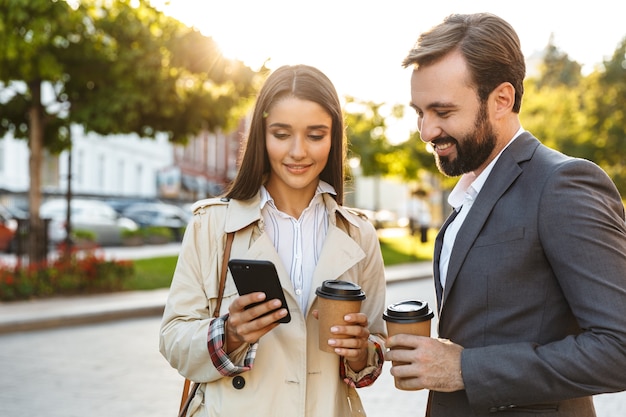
(298, 147)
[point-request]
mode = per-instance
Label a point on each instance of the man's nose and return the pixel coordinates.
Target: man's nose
(428, 128)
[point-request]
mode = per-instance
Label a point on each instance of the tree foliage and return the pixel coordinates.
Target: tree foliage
(557, 69)
(583, 116)
(607, 115)
(112, 66)
(367, 136)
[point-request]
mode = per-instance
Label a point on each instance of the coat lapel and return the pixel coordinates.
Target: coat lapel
(262, 248)
(339, 253)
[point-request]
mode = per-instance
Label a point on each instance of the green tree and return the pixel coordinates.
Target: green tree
(367, 139)
(606, 105)
(412, 160)
(553, 107)
(117, 66)
(582, 116)
(35, 38)
(557, 68)
(556, 115)
(367, 136)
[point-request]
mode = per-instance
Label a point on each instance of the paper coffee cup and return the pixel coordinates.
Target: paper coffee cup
(408, 317)
(335, 300)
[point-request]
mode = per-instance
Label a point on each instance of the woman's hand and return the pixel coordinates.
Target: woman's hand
(247, 326)
(354, 342)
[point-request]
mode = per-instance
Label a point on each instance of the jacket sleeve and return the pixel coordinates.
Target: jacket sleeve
(192, 299)
(222, 361)
(583, 238)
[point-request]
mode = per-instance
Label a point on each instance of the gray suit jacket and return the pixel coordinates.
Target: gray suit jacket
(536, 289)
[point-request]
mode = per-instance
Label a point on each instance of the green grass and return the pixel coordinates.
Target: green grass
(157, 273)
(152, 273)
(406, 248)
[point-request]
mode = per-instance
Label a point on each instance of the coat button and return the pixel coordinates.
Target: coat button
(239, 382)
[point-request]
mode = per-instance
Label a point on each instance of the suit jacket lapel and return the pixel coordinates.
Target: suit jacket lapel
(437, 254)
(504, 173)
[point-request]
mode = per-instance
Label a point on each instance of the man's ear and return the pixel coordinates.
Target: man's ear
(503, 99)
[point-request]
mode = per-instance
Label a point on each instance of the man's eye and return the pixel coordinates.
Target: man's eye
(443, 113)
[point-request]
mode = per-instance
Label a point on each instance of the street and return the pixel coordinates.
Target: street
(115, 369)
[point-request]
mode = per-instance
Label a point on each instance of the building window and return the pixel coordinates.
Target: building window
(80, 168)
(101, 173)
(120, 177)
(138, 179)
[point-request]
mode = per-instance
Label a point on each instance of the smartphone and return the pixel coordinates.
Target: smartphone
(253, 275)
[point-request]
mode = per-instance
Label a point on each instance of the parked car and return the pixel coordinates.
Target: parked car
(165, 215)
(93, 216)
(120, 204)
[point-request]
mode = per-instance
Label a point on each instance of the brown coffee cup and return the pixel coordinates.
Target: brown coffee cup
(408, 317)
(335, 300)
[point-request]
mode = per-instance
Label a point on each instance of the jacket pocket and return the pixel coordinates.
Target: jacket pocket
(498, 238)
(534, 410)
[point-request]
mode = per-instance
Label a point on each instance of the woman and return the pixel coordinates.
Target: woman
(285, 206)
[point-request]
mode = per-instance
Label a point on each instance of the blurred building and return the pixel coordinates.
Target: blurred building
(203, 167)
(124, 167)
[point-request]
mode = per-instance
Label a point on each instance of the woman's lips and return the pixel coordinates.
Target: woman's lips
(297, 168)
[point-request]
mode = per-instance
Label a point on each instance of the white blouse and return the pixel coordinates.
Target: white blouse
(298, 241)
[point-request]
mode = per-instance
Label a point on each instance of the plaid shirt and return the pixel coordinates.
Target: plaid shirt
(219, 357)
(368, 375)
(226, 367)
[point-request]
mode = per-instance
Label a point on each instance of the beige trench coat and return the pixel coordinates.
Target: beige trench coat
(291, 376)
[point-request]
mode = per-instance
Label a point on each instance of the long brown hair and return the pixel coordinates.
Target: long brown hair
(306, 83)
(489, 44)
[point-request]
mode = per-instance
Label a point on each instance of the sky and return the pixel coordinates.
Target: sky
(360, 44)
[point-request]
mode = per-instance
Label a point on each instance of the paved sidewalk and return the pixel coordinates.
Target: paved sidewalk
(65, 311)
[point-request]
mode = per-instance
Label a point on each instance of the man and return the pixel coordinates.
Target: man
(530, 270)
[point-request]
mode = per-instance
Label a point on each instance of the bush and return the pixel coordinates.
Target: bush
(83, 234)
(158, 234)
(78, 273)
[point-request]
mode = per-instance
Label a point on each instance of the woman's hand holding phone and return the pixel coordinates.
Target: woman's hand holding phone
(247, 325)
(261, 305)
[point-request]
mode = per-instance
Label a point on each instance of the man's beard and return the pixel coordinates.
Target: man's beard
(472, 150)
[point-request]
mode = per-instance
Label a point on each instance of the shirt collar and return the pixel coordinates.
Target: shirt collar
(472, 184)
(322, 188)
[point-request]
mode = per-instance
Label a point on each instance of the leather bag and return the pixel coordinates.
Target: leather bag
(188, 394)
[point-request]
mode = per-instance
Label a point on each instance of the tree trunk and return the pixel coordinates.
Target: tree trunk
(67, 248)
(37, 250)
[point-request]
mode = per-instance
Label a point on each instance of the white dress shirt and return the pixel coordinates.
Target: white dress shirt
(462, 198)
(298, 241)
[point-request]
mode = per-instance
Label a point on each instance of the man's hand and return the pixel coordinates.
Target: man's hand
(425, 363)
